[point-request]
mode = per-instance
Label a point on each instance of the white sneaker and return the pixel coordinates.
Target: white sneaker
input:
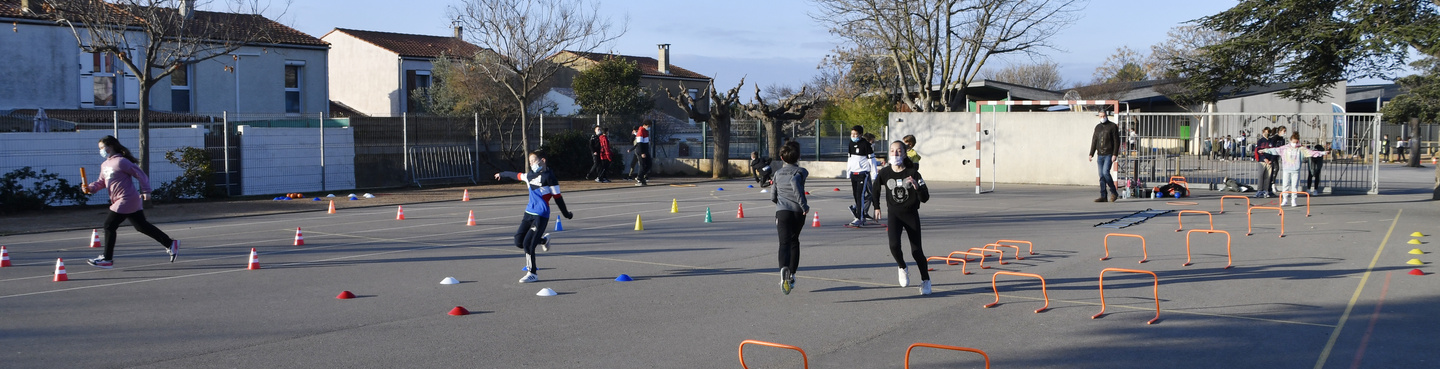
(925, 287)
(904, 277)
(545, 243)
(530, 277)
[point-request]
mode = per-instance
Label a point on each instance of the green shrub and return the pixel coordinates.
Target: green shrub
(47, 188)
(195, 180)
(567, 153)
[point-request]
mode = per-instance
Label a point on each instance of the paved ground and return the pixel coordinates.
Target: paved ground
(1333, 293)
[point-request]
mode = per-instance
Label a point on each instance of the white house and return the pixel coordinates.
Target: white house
(375, 73)
(45, 68)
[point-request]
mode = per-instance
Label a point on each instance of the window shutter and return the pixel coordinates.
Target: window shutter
(87, 83)
(131, 86)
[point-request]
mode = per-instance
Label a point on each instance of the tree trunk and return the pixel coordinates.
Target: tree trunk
(720, 163)
(524, 132)
(772, 137)
(1414, 144)
(143, 149)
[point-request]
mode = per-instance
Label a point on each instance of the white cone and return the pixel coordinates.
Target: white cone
(330, 195)
(764, 191)
(449, 280)
(369, 196)
(546, 292)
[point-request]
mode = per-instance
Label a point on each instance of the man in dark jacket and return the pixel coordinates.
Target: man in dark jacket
(1106, 143)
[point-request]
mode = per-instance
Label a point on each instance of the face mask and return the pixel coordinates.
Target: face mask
(534, 167)
(854, 139)
(104, 154)
(1293, 144)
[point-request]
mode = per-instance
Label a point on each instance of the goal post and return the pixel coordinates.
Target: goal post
(981, 133)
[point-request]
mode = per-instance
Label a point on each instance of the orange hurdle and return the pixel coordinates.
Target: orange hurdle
(968, 254)
(951, 261)
(1180, 217)
(1181, 180)
(1307, 199)
(1228, 259)
(1102, 291)
(944, 347)
(1143, 250)
(1249, 229)
(997, 289)
(985, 250)
(805, 360)
(1032, 245)
(1222, 201)
(997, 246)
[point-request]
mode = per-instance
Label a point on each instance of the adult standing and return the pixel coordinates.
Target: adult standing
(118, 175)
(600, 155)
(1105, 143)
(642, 148)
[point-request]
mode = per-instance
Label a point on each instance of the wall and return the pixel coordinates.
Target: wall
(65, 152)
(1036, 148)
(282, 160)
(39, 68)
(1273, 103)
(364, 76)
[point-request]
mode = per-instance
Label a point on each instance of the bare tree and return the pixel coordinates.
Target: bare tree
(937, 47)
(155, 38)
(1041, 75)
(524, 40)
(792, 106)
(1125, 65)
(722, 108)
(1184, 41)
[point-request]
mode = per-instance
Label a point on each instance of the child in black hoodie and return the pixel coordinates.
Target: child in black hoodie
(905, 190)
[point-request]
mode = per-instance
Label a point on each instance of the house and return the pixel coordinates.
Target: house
(376, 73)
(45, 68)
(656, 75)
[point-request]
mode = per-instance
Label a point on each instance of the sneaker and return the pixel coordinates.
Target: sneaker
(904, 277)
(925, 287)
(1101, 199)
(545, 242)
(785, 284)
(1114, 196)
(174, 249)
(100, 262)
(530, 277)
(597, 180)
(857, 223)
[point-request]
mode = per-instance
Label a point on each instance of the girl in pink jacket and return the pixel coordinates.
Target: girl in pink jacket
(118, 175)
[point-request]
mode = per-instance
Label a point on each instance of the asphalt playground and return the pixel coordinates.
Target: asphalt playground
(1335, 292)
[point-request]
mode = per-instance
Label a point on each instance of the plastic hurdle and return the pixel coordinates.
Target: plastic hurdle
(1143, 250)
(1102, 291)
(985, 250)
(1307, 199)
(1181, 180)
(944, 347)
(1032, 245)
(1249, 216)
(1180, 217)
(968, 254)
(997, 246)
(1222, 202)
(1228, 259)
(997, 289)
(951, 261)
(805, 360)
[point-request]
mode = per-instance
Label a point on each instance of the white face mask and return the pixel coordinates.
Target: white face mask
(104, 154)
(535, 168)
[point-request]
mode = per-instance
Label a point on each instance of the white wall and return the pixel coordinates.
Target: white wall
(39, 68)
(364, 76)
(284, 160)
(65, 152)
(262, 82)
(1037, 148)
(1273, 103)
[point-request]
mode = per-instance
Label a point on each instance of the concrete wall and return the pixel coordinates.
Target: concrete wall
(65, 152)
(1273, 103)
(282, 160)
(364, 76)
(39, 68)
(1037, 148)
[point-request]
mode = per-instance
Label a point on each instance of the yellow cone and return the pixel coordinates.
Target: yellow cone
(674, 206)
(1415, 262)
(1416, 252)
(1417, 234)
(638, 225)
(1414, 241)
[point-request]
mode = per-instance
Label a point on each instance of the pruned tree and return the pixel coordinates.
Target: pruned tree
(937, 47)
(1044, 75)
(722, 109)
(791, 107)
(525, 40)
(153, 39)
(612, 87)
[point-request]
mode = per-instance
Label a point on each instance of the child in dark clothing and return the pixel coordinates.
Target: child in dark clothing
(542, 186)
(760, 168)
(1312, 181)
(790, 210)
(905, 190)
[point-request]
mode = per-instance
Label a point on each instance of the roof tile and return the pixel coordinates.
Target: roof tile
(421, 46)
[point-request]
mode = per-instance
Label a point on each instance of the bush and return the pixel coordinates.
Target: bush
(567, 153)
(193, 182)
(47, 189)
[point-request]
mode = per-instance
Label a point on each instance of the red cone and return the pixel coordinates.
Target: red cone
(299, 237)
(4, 257)
(1416, 272)
(816, 223)
(60, 270)
(254, 260)
(471, 221)
(94, 238)
(740, 213)
(466, 196)
(345, 295)
(399, 213)
(458, 311)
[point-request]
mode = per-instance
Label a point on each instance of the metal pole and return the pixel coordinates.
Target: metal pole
(115, 116)
(476, 163)
(225, 119)
(405, 142)
(817, 140)
(322, 152)
(704, 141)
(542, 131)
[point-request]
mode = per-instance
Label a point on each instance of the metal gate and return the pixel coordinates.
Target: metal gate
(1207, 148)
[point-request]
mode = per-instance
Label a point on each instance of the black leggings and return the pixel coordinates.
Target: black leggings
(860, 187)
(1312, 181)
(137, 220)
(528, 235)
(599, 167)
(909, 222)
(788, 224)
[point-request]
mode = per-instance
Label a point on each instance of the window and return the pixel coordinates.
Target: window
(104, 72)
(694, 94)
(180, 90)
(294, 76)
(415, 80)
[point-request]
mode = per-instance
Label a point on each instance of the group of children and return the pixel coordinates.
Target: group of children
(641, 156)
(1281, 160)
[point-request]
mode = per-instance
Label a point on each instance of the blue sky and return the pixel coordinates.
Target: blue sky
(769, 42)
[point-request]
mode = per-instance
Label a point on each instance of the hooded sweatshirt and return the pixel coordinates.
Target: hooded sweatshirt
(1291, 154)
(118, 175)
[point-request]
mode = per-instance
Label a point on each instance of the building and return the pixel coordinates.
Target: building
(656, 75)
(376, 73)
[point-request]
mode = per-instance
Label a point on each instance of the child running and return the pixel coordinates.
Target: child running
(542, 187)
(790, 211)
(905, 191)
(118, 175)
(1290, 157)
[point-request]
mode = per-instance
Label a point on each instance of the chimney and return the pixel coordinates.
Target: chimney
(25, 7)
(459, 32)
(187, 9)
(664, 65)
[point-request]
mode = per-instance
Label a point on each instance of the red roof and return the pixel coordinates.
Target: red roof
(648, 66)
(420, 46)
(109, 116)
(229, 26)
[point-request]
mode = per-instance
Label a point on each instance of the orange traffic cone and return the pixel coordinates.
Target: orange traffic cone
(400, 212)
(465, 197)
(4, 257)
(299, 237)
(471, 221)
(740, 213)
(254, 260)
(332, 207)
(94, 238)
(60, 270)
(816, 222)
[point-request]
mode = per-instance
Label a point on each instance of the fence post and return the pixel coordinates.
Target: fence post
(322, 151)
(476, 163)
(115, 118)
(817, 140)
(704, 140)
(225, 119)
(405, 143)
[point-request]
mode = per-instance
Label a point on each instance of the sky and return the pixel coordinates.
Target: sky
(768, 42)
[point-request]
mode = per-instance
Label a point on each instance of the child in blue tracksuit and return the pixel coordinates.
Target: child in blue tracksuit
(542, 186)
